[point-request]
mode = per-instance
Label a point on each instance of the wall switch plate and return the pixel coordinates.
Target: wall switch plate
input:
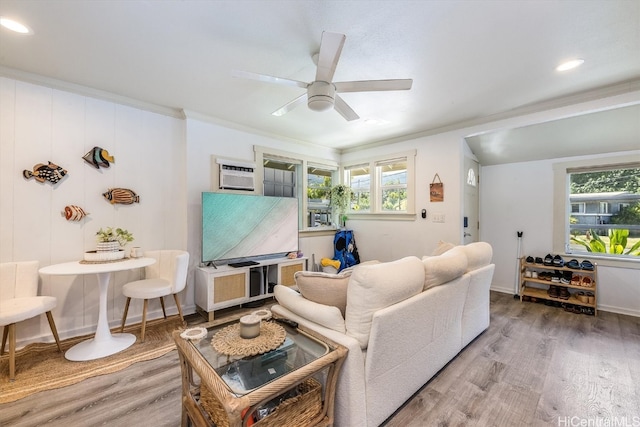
(438, 217)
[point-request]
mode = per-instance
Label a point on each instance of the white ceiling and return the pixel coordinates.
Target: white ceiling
(469, 60)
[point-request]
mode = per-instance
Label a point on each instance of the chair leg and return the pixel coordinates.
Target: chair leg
(12, 351)
(52, 325)
(124, 315)
(164, 312)
(5, 331)
(144, 319)
(175, 297)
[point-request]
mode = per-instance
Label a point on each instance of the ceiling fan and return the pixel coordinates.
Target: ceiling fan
(322, 93)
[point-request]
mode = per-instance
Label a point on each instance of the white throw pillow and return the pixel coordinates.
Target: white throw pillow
(444, 268)
(376, 286)
(478, 254)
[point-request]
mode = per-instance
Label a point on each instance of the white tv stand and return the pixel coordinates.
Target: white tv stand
(227, 286)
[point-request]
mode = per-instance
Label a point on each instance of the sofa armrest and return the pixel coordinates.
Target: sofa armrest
(324, 315)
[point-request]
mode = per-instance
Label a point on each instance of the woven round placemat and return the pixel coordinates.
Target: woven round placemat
(228, 341)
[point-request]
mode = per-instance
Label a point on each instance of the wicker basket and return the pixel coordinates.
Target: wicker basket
(296, 411)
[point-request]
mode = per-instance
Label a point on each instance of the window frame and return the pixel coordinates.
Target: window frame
(562, 205)
(375, 189)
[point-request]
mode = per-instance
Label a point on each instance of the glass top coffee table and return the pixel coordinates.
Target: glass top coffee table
(293, 384)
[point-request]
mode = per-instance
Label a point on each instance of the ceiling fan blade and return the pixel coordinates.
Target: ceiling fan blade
(290, 105)
(344, 109)
(330, 49)
(373, 85)
(268, 79)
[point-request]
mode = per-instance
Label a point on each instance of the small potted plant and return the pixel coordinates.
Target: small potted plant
(340, 198)
(110, 239)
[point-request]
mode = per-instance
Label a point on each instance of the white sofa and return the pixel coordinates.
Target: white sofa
(403, 321)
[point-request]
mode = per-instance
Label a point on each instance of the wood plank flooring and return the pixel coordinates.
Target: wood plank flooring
(534, 366)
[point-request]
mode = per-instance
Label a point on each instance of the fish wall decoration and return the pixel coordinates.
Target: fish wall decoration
(97, 157)
(49, 172)
(74, 213)
(123, 196)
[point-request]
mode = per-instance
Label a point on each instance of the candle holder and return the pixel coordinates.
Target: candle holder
(249, 326)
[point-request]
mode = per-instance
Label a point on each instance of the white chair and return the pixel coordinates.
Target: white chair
(167, 276)
(19, 301)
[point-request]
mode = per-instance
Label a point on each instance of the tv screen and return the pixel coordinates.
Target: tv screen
(236, 226)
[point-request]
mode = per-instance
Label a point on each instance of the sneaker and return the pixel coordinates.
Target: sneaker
(548, 260)
(558, 261)
(534, 274)
(566, 277)
(539, 260)
(527, 273)
(555, 277)
(530, 260)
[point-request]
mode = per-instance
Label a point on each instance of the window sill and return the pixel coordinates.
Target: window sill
(315, 232)
(389, 216)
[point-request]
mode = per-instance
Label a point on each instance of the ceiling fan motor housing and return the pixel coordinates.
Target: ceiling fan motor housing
(320, 96)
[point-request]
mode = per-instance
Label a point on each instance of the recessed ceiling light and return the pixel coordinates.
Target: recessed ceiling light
(16, 26)
(569, 65)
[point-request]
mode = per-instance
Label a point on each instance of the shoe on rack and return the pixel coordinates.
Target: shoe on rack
(555, 277)
(539, 260)
(553, 291)
(576, 280)
(527, 273)
(566, 277)
(591, 298)
(548, 260)
(534, 274)
(529, 260)
(574, 264)
(558, 261)
(563, 293)
(587, 282)
(586, 265)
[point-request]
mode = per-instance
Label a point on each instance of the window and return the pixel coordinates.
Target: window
(319, 183)
(358, 177)
(279, 178)
(309, 180)
(382, 185)
(605, 210)
(393, 185)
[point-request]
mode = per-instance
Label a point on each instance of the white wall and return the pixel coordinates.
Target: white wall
(38, 124)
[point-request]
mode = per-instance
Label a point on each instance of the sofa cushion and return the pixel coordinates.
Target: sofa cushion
(442, 248)
(376, 286)
(444, 268)
(478, 254)
(324, 315)
(324, 288)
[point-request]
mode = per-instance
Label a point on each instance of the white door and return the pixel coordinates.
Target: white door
(470, 208)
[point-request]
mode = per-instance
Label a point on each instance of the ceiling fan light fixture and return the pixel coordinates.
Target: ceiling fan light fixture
(570, 65)
(321, 96)
(15, 26)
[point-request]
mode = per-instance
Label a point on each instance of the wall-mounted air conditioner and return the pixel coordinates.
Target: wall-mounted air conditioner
(236, 175)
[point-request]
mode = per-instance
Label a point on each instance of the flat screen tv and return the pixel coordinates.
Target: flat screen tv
(242, 226)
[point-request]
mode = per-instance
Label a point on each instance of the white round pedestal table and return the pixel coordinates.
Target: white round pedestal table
(104, 343)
